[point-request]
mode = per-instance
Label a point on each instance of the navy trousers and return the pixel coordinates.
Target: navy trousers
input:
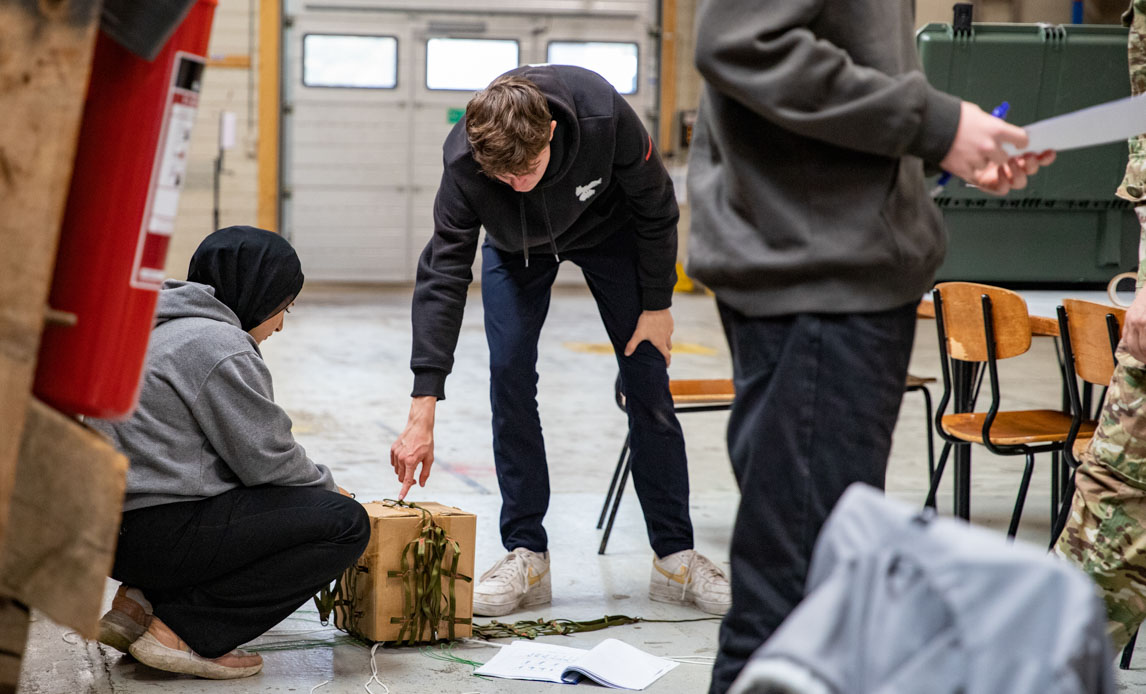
(224, 570)
(516, 301)
(817, 397)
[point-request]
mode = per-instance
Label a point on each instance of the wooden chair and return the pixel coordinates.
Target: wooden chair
(1090, 334)
(984, 324)
(688, 395)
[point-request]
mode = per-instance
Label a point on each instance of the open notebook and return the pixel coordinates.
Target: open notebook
(612, 663)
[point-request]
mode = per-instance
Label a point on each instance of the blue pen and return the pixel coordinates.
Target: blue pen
(999, 112)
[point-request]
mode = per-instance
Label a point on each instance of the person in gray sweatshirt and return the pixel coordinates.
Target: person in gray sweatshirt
(228, 526)
(812, 225)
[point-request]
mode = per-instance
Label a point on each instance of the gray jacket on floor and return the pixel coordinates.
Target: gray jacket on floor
(901, 602)
(207, 421)
(806, 171)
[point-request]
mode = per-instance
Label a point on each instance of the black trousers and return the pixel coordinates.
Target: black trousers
(817, 397)
(224, 570)
(516, 300)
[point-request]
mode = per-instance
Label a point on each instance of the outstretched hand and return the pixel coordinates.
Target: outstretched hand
(415, 445)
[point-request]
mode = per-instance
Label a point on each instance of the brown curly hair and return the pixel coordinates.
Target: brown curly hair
(507, 125)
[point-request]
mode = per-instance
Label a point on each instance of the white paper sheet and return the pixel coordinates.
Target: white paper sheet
(1096, 125)
(612, 663)
(617, 664)
(531, 660)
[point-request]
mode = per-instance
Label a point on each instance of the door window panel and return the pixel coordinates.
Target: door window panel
(357, 62)
(615, 61)
(468, 64)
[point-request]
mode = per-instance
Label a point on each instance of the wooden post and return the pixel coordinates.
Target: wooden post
(13, 636)
(45, 58)
(668, 76)
(270, 50)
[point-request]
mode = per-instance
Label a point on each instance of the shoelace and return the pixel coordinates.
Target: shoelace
(505, 568)
(704, 568)
(699, 567)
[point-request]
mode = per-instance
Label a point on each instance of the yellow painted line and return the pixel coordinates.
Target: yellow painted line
(606, 348)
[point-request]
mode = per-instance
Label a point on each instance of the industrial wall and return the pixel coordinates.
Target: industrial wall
(232, 84)
(229, 85)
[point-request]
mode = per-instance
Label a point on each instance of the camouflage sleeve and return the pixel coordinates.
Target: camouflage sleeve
(1133, 186)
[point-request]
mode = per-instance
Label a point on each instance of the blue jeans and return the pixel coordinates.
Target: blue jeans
(516, 301)
(817, 397)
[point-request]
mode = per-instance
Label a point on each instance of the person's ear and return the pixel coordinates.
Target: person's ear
(552, 127)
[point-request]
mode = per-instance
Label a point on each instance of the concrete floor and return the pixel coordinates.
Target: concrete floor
(340, 370)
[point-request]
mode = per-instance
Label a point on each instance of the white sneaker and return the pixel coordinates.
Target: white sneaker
(519, 579)
(688, 577)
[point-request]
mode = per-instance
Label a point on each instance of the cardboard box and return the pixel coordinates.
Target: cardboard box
(379, 597)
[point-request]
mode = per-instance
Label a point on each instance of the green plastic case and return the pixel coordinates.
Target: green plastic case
(1067, 226)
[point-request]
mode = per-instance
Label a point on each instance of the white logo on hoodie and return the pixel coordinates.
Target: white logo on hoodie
(586, 191)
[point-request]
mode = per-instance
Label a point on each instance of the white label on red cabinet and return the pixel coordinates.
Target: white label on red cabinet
(168, 172)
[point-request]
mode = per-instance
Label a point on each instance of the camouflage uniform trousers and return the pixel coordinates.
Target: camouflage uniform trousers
(1105, 534)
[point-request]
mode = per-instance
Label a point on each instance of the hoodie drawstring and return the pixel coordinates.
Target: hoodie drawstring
(524, 238)
(549, 226)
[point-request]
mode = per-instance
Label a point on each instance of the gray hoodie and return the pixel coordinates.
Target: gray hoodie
(806, 171)
(207, 421)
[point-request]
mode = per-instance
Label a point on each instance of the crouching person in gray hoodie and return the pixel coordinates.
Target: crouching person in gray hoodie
(228, 526)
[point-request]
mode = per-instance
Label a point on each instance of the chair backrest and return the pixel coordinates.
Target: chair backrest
(1090, 339)
(964, 325)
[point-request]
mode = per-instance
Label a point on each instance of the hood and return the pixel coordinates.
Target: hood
(567, 138)
(179, 299)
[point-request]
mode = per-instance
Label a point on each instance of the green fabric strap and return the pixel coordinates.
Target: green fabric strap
(340, 599)
(531, 629)
(425, 604)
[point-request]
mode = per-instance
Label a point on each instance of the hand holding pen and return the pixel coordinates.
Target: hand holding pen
(977, 154)
(999, 112)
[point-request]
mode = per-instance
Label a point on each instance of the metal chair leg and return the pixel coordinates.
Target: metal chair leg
(613, 484)
(1022, 497)
(616, 504)
(1063, 511)
(1057, 485)
(1128, 653)
(930, 433)
(938, 476)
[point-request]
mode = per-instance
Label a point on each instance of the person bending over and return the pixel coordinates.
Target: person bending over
(556, 166)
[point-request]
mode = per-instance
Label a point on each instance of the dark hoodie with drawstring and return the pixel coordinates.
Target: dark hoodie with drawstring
(207, 421)
(604, 177)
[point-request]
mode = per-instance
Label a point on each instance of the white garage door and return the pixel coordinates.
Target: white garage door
(370, 93)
